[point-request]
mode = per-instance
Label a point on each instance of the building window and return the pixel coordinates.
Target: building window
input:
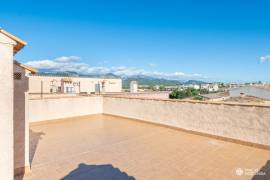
(69, 89)
(17, 76)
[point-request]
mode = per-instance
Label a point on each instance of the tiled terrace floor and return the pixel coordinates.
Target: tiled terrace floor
(100, 146)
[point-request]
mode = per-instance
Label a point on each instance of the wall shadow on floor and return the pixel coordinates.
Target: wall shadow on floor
(97, 172)
(34, 137)
(263, 173)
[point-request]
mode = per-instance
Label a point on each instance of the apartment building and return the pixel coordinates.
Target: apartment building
(64, 84)
(71, 85)
(211, 87)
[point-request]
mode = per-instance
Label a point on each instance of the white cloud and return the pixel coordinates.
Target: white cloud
(264, 58)
(67, 59)
(44, 64)
(71, 63)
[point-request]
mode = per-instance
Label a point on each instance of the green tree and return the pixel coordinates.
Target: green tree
(173, 94)
(191, 92)
(181, 94)
(198, 98)
(204, 91)
(162, 88)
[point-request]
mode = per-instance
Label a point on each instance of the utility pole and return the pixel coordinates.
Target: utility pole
(41, 95)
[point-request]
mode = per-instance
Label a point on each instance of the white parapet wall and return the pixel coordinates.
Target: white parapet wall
(248, 123)
(57, 108)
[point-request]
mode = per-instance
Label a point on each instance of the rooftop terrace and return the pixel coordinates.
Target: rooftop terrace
(102, 146)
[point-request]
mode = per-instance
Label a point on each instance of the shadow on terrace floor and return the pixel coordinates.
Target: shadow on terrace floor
(263, 173)
(97, 172)
(34, 137)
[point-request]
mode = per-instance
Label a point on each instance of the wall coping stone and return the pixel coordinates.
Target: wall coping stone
(192, 101)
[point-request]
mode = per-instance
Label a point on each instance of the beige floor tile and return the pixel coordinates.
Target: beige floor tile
(105, 146)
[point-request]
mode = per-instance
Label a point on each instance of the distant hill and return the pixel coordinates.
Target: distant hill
(194, 82)
(75, 74)
(150, 81)
(142, 80)
(52, 73)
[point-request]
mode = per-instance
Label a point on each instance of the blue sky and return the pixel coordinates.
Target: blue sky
(212, 40)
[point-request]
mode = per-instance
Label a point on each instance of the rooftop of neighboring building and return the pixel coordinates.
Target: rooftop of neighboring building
(259, 86)
(27, 67)
(215, 95)
(266, 87)
(247, 99)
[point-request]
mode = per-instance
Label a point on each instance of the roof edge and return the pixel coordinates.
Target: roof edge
(32, 69)
(19, 42)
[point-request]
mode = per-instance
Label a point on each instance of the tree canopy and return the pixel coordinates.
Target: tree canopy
(181, 94)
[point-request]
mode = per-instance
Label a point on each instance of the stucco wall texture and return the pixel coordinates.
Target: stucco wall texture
(56, 108)
(6, 107)
(144, 95)
(240, 122)
(247, 123)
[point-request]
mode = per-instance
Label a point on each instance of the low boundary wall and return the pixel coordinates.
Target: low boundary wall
(246, 123)
(144, 95)
(56, 108)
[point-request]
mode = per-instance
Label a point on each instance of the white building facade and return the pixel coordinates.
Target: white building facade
(73, 85)
(133, 87)
(211, 87)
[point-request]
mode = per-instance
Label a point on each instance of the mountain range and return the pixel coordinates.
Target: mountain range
(142, 80)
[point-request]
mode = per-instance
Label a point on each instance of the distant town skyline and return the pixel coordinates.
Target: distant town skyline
(204, 40)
